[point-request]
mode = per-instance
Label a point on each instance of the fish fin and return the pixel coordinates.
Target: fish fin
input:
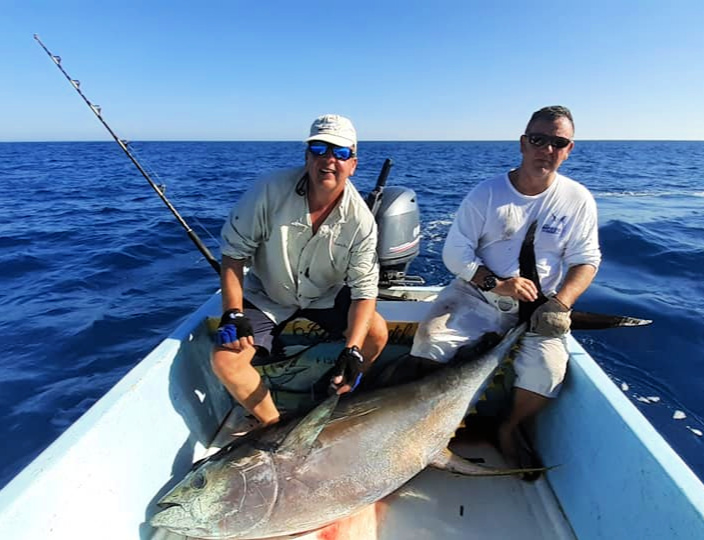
(581, 320)
(585, 320)
(447, 461)
(301, 438)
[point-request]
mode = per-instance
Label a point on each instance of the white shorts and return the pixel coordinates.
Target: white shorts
(540, 364)
(461, 315)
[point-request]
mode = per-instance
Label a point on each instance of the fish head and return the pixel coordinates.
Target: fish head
(223, 497)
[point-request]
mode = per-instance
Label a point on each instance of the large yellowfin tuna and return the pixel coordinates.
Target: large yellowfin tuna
(303, 474)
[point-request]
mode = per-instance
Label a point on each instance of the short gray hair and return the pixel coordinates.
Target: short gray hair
(551, 113)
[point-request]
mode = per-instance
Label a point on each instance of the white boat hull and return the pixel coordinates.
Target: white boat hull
(617, 477)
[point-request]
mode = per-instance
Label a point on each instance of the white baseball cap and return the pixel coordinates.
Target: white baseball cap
(334, 129)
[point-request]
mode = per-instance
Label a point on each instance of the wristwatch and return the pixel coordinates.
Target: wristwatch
(490, 281)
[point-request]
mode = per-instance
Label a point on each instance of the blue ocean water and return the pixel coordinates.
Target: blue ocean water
(94, 270)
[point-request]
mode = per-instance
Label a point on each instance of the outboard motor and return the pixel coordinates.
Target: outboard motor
(398, 244)
(398, 221)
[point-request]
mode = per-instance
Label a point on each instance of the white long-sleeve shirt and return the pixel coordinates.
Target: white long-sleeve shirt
(291, 267)
(492, 221)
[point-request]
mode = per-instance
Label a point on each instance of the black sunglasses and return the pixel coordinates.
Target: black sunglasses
(342, 153)
(541, 139)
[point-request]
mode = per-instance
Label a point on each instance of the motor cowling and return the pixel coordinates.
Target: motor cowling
(398, 221)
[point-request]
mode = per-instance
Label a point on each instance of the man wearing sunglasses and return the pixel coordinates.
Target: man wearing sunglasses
(496, 283)
(309, 240)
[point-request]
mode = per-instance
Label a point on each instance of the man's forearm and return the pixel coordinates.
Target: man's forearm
(359, 321)
(231, 281)
(577, 281)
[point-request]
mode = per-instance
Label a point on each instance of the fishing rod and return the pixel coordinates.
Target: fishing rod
(374, 197)
(123, 144)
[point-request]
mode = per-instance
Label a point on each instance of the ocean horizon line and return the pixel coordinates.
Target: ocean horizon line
(395, 141)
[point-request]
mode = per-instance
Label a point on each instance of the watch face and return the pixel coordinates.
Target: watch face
(489, 283)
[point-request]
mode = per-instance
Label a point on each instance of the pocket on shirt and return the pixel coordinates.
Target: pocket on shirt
(339, 255)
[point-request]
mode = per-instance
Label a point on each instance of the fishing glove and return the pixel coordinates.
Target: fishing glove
(349, 365)
(233, 325)
(552, 319)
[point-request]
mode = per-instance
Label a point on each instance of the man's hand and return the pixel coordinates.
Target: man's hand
(521, 289)
(235, 331)
(348, 371)
(552, 319)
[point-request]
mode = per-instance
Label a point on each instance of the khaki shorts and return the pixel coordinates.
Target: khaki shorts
(460, 315)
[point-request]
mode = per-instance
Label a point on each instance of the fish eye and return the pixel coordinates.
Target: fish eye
(198, 481)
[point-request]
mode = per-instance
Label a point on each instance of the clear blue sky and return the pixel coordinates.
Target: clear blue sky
(414, 70)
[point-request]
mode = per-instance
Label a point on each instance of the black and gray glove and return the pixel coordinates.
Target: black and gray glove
(234, 325)
(552, 319)
(350, 366)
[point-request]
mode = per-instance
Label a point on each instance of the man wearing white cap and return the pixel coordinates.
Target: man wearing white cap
(309, 240)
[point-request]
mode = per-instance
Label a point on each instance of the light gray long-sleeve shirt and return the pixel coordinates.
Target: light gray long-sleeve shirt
(290, 267)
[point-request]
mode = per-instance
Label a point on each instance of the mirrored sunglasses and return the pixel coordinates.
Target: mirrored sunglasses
(541, 139)
(342, 153)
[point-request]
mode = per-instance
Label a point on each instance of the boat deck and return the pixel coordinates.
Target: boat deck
(437, 504)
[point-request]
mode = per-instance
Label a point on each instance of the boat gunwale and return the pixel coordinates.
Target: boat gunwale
(670, 464)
